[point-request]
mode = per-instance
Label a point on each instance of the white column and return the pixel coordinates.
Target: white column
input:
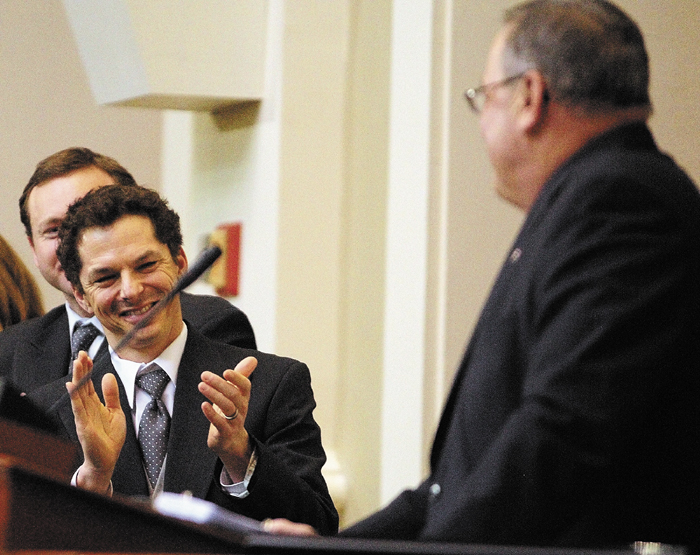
(177, 171)
(407, 239)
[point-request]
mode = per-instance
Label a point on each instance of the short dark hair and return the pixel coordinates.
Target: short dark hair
(102, 207)
(64, 162)
(590, 52)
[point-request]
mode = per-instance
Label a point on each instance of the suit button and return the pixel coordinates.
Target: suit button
(435, 490)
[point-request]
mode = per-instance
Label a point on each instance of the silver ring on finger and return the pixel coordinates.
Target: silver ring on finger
(233, 416)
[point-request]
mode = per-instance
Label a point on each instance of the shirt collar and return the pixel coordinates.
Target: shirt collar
(168, 360)
(74, 317)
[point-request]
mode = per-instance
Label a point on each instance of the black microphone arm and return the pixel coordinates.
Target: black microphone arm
(203, 262)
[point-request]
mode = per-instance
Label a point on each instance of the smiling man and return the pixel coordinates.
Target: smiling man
(126, 272)
(247, 442)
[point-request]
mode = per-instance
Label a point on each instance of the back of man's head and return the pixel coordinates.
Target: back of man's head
(591, 54)
(102, 207)
(64, 162)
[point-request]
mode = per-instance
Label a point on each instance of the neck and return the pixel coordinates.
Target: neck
(76, 307)
(564, 132)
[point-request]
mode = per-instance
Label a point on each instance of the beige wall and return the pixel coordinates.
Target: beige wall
(330, 279)
(46, 105)
(307, 172)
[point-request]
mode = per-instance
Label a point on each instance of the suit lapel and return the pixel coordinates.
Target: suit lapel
(501, 285)
(190, 463)
(129, 476)
(447, 413)
(49, 350)
(50, 394)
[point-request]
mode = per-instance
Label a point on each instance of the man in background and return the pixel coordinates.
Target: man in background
(574, 418)
(40, 351)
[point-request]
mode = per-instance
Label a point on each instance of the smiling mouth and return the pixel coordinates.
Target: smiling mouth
(136, 312)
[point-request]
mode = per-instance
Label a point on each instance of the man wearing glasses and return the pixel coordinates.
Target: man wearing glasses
(574, 418)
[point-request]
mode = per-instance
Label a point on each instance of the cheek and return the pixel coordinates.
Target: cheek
(489, 129)
(45, 250)
(483, 126)
(98, 300)
(497, 139)
(164, 280)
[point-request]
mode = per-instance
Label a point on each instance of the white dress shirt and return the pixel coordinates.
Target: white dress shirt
(169, 361)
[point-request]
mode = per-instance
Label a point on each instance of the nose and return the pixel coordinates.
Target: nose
(131, 286)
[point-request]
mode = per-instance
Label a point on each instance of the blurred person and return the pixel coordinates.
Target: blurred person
(573, 419)
(20, 297)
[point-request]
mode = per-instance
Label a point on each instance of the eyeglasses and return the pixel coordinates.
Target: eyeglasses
(477, 97)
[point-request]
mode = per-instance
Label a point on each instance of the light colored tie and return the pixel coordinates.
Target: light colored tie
(83, 336)
(154, 426)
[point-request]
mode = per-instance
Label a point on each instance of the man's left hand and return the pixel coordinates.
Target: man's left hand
(227, 411)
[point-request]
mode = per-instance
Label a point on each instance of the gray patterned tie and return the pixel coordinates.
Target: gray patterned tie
(155, 421)
(83, 336)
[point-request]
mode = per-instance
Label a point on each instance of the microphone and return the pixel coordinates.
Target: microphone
(203, 262)
(205, 259)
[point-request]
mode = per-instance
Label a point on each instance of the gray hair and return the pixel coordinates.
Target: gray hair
(590, 52)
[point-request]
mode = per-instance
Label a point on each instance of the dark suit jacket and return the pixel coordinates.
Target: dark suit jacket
(36, 352)
(287, 481)
(573, 419)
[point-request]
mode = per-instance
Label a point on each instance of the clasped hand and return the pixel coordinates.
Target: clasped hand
(101, 427)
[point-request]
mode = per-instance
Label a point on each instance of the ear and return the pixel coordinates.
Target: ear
(181, 261)
(82, 300)
(533, 101)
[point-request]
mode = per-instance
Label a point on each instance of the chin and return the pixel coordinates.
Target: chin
(507, 194)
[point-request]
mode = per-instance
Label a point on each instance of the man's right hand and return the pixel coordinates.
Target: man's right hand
(284, 527)
(101, 427)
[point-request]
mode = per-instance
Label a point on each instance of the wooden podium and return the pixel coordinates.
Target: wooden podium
(40, 512)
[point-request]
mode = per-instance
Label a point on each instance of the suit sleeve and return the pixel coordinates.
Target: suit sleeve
(403, 518)
(287, 482)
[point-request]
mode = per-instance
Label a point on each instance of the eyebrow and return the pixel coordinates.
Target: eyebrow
(41, 226)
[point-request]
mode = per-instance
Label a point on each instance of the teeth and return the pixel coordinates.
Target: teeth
(137, 312)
